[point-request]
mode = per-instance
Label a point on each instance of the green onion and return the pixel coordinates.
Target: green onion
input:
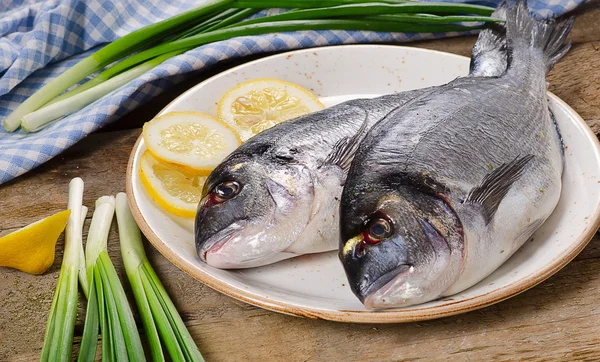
(232, 19)
(437, 7)
(431, 19)
(107, 306)
(98, 232)
(159, 314)
(112, 71)
(223, 19)
(110, 53)
(282, 26)
(210, 18)
(219, 20)
(34, 121)
(96, 242)
(82, 276)
(304, 4)
(110, 80)
(377, 9)
(58, 339)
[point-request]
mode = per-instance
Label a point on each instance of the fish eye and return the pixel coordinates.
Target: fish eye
(225, 191)
(378, 229)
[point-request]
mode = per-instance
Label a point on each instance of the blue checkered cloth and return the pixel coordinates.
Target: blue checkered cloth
(40, 39)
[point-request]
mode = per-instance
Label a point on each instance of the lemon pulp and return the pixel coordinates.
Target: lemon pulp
(256, 105)
(194, 141)
(192, 138)
(257, 110)
(175, 190)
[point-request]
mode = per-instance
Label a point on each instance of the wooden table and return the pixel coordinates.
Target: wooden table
(557, 320)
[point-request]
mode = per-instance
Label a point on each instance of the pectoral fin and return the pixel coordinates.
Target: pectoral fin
(344, 150)
(492, 189)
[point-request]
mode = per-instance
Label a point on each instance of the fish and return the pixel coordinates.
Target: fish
(445, 190)
(277, 196)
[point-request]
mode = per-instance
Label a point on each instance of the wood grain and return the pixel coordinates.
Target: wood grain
(557, 320)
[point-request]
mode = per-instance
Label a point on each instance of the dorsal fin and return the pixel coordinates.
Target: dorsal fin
(495, 185)
(489, 53)
(344, 150)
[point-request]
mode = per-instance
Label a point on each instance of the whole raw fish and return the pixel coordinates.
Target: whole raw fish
(443, 191)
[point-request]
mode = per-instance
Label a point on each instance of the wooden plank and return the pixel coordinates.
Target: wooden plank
(576, 80)
(559, 319)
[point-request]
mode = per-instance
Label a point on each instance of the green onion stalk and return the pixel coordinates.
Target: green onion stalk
(282, 26)
(108, 309)
(158, 313)
(36, 120)
(112, 79)
(304, 4)
(82, 276)
(58, 340)
(410, 9)
(431, 18)
(221, 20)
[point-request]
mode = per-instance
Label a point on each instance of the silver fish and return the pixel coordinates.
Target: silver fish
(445, 190)
(277, 196)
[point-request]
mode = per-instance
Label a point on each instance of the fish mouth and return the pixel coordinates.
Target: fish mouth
(251, 262)
(210, 253)
(219, 239)
(373, 297)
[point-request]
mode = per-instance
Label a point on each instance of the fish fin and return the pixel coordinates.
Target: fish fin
(495, 185)
(489, 53)
(547, 35)
(344, 150)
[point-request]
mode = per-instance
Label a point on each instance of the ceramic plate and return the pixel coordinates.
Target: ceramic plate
(315, 285)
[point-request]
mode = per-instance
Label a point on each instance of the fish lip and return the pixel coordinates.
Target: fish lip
(382, 282)
(220, 238)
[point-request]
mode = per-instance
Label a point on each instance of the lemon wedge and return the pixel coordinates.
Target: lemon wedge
(192, 140)
(258, 104)
(31, 249)
(175, 190)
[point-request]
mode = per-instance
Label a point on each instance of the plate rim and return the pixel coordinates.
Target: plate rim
(366, 316)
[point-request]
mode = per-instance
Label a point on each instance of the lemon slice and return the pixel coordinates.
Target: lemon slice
(31, 249)
(253, 106)
(193, 140)
(175, 190)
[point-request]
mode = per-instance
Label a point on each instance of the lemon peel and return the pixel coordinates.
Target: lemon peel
(31, 249)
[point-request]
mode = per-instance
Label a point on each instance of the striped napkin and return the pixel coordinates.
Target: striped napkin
(40, 39)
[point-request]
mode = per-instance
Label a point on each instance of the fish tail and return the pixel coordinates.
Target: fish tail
(547, 36)
(489, 54)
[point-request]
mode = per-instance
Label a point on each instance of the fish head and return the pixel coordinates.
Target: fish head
(253, 207)
(398, 246)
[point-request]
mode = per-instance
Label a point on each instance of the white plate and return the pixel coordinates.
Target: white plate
(315, 285)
